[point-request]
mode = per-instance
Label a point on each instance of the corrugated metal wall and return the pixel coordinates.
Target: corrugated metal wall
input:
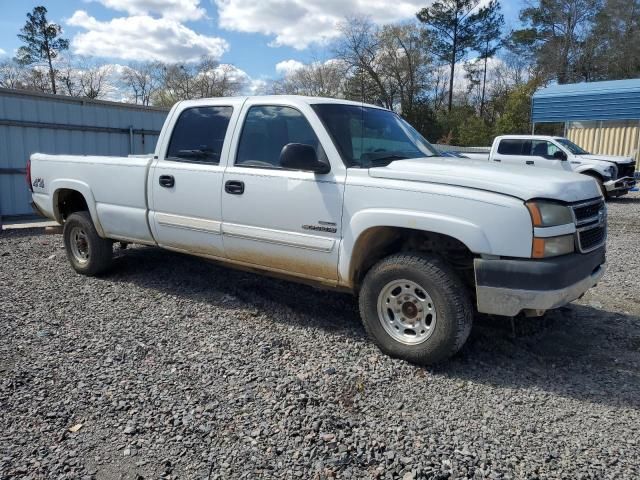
(32, 123)
(607, 138)
(610, 100)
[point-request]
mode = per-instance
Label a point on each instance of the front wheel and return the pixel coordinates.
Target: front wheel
(88, 253)
(416, 308)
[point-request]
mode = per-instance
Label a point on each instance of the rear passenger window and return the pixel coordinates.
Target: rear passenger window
(198, 135)
(267, 129)
(513, 147)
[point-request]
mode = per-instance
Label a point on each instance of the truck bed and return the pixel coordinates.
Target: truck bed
(117, 186)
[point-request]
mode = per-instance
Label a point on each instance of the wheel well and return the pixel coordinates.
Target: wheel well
(379, 242)
(593, 173)
(69, 201)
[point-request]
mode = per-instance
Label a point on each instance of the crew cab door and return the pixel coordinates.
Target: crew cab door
(547, 154)
(513, 151)
(275, 218)
(530, 153)
(185, 184)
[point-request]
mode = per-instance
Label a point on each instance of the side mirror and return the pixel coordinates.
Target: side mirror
(560, 155)
(298, 156)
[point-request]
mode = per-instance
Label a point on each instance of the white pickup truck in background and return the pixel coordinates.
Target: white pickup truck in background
(615, 175)
(343, 196)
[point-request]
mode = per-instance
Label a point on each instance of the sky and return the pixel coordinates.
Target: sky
(263, 38)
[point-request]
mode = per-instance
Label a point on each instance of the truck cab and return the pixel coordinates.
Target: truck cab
(615, 175)
(344, 196)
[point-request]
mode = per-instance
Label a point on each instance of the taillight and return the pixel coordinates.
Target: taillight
(29, 175)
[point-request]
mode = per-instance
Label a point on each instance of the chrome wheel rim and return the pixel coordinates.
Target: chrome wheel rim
(406, 312)
(79, 245)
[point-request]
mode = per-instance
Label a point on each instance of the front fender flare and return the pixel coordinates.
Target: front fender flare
(463, 230)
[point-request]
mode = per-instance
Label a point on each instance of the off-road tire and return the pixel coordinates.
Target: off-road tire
(100, 250)
(452, 304)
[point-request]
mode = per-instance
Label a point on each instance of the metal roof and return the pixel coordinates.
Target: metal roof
(610, 100)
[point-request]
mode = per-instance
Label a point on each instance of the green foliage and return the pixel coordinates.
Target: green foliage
(516, 118)
(474, 131)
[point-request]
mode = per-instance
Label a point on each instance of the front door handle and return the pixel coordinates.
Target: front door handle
(234, 187)
(497, 159)
(530, 162)
(167, 181)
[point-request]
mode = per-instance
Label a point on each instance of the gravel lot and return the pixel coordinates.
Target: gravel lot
(176, 368)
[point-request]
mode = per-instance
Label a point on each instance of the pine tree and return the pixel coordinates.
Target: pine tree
(455, 30)
(42, 42)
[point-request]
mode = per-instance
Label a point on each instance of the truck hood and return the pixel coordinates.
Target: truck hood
(521, 182)
(605, 158)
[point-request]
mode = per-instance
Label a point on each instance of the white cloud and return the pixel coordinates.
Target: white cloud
(2, 52)
(175, 9)
(299, 23)
(287, 67)
(142, 37)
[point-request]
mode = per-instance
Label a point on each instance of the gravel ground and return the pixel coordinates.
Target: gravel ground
(172, 367)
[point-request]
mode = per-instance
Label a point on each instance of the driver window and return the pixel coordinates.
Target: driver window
(267, 129)
(543, 148)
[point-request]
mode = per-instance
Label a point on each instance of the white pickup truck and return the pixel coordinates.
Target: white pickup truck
(615, 175)
(344, 196)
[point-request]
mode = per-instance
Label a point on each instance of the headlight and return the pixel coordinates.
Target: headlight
(552, 246)
(548, 214)
(612, 172)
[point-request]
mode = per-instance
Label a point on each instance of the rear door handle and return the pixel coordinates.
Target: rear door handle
(167, 181)
(234, 187)
(530, 162)
(497, 159)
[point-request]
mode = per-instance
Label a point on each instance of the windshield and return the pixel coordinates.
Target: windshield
(371, 137)
(572, 147)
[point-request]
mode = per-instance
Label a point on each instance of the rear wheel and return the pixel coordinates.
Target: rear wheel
(416, 308)
(88, 253)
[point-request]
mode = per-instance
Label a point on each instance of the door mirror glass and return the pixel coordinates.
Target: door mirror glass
(560, 155)
(298, 156)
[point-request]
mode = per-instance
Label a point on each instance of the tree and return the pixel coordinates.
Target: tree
(142, 80)
(207, 78)
(405, 64)
(454, 29)
(359, 49)
(555, 31)
(42, 42)
(11, 74)
(516, 118)
(319, 79)
(612, 49)
(488, 40)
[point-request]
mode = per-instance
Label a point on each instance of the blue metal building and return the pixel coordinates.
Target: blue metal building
(32, 122)
(602, 117)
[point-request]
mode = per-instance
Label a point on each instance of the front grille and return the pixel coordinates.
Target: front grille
(588, 212)
(592, 238)
(626, 170)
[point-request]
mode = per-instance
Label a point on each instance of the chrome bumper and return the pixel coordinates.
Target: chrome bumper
(624, 183)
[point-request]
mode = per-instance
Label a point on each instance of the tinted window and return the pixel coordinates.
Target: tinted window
(371, 136)
(267, 130)
(514, 147)
(199, 134)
